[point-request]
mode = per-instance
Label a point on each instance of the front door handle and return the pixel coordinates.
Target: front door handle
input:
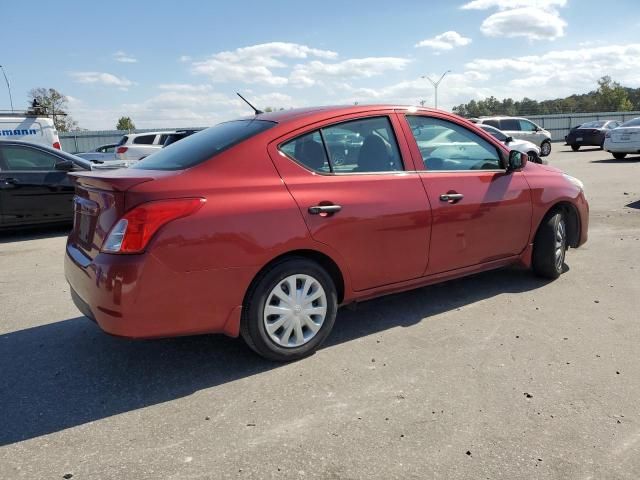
(324, 209)
(451, 197)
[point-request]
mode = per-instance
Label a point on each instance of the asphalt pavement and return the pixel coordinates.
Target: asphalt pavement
(497, 376)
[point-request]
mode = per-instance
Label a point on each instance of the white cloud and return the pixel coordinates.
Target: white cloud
(185, 87)
(255, 64)
(445, 41)
(508, 4)
(185, 58)
(532, 19)
(124, 57)
(529, 22)
(563, 72)
(308, 74)
(101, 78)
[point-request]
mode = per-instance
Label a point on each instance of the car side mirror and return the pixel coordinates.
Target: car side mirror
(517, 161)
(64, 165)
(508, 140)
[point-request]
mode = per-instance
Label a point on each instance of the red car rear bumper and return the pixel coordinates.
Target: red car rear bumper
(138, 296)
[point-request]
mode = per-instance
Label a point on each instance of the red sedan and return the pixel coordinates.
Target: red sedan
(262, 227)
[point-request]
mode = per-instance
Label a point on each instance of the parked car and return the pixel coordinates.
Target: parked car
(591, 133)
(179, 135)
(566, 137)
(521, 129)
(101, 154)
(29, 128)
(623, 140)
(531, 149)
(34, 186)
(249, 228)
(136, 146)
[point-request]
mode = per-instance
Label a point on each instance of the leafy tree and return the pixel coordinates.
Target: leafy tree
(610, 96)
(49, 101)
(125, 123)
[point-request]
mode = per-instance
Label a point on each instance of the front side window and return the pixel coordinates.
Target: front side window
(359, 146)
(144, 140)
(447, 146)
(24, 158)
(527, 126)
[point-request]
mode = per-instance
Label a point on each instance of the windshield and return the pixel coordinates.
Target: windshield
(203, 145)
(497, 134)
(632, 123)
(598, 124)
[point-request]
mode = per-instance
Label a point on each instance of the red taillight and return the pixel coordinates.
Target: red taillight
(57, 145)
(132, 232)
(121, 149)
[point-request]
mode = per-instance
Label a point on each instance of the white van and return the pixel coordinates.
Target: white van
(29, 128)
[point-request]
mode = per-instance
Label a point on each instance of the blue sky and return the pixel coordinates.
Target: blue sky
(171, 64)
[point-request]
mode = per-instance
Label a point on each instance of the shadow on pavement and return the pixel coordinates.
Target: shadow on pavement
(635, 159)
(68, 373)
(33, 233)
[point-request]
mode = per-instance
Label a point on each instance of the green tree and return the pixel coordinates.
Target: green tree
(611, 96)
(49, 101)
(125, 123)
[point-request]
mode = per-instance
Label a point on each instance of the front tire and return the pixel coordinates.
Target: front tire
(533, 157)
(618, 155)
(550, 246)
(289, 310)
(545, 148)
(575, 148)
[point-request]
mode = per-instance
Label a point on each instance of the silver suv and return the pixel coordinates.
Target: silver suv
(521, 129)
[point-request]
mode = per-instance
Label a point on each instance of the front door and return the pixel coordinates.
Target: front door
(357, 195)
(481, 213)
(31, 189)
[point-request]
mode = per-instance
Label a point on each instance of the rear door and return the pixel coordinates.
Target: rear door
(357, 189)
(481, 213)
(31, 189)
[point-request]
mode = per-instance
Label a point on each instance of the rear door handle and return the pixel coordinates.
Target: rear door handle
(326, 209)
(451, 197)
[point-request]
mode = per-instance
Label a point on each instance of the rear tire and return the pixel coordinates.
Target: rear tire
(550, 246)
(289, 310)
(575, 148)
(618, 155)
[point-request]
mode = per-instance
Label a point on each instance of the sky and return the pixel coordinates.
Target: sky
(178, 64)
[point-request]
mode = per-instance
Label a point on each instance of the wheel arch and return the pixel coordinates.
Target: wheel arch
(573, 221)
(324, 260)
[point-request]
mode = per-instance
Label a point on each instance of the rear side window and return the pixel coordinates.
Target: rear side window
(203, 145)
(492, 123)
(510, 124)
(359, 146)
(144, 140)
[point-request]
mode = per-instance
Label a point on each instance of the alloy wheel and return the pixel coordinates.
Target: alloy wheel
(560, 244)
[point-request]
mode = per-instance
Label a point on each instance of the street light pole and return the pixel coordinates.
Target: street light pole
(8, 87)
(435, 85)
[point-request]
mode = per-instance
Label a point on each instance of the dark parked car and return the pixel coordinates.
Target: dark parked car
(590, 134)
(34, 186)
(255, 227)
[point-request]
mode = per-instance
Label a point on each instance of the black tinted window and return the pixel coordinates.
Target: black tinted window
(203, 145)
(492, 123)
(144, 140)
(510, 124)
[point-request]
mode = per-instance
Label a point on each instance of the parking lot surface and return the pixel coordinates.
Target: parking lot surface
(501, 375)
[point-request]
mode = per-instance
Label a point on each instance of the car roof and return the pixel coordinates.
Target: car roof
(502, 117)
(311, 114)
(161, 132)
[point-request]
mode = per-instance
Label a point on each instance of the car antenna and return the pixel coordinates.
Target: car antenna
(258, 112)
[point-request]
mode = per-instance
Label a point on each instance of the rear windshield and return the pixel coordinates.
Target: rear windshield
(122, 141)
(203, 145)
(596, 124)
